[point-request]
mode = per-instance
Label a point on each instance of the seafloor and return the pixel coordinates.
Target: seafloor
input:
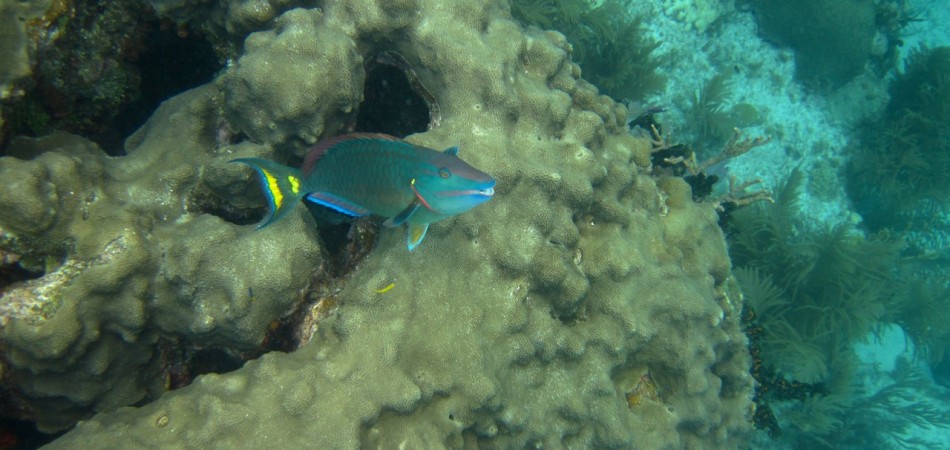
(716, 224)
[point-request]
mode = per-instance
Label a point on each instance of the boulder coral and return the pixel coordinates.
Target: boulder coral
(584, 306)
(130, 258)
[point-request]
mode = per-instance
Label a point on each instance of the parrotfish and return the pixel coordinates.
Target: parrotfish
(361, 174)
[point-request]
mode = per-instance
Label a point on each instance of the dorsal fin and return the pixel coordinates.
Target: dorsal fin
(318, 150)
(452, 150)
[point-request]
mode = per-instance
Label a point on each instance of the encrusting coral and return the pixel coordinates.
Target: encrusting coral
(582, 306)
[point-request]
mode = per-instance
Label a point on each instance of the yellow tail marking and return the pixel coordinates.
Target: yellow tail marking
(386, 289)
(274, 189)
(294, 183)
(416, 233)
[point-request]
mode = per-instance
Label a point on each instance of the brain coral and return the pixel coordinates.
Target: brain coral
(578, 308)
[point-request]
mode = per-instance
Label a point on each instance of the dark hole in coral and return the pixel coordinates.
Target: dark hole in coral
(172, 62)
(390, 105)
(15, 273)
(282, 336)
(334, 237)
(213, 360)
(345, 239)
(209, 204)
(23, 435)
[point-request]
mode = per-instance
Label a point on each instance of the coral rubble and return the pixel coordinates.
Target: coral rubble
(584, 306)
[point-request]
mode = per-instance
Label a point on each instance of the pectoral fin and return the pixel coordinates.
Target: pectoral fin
(403, 216)
(338, 204)
(415, 235)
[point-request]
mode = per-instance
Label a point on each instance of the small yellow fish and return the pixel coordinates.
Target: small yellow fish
(386, 289)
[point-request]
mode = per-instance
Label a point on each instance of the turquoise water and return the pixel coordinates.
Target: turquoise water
(838, 128)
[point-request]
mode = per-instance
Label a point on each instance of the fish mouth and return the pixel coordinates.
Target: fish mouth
(487, 191)
(476, 191)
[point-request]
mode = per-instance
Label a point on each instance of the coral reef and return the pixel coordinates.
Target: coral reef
(587, 305)
(906, 152)
(96, 69)
(226, 23)
(811, 297)
(899, 180)
(606, 41)
(126, 258)
(699, 14)
(14, 41)
(836, 44)
(14, 45)
(714, 115)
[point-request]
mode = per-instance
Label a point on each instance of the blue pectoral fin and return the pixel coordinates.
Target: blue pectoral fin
(338, 204)
(281, 186)
(403, 216)
(415, 235)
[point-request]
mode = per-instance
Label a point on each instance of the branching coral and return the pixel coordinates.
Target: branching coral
(680, 160)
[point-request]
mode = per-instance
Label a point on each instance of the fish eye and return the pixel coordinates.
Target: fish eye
(444, 173)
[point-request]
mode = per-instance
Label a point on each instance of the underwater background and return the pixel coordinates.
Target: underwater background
(716, 224)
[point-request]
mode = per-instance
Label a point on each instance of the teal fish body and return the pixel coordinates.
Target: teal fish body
(362, 174)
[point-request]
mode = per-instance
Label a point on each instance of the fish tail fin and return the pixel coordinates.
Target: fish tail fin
(282, 187)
